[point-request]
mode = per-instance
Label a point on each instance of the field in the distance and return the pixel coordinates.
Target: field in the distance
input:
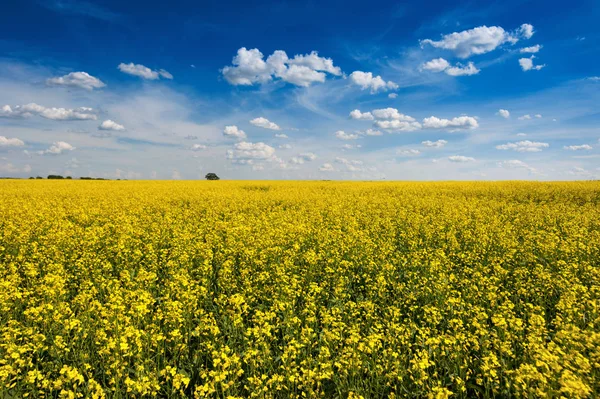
(299, 289)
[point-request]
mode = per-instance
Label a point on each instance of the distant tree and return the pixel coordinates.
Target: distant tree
(39, 177)
(55, 177)
(212, 176)
(68, 177)
(31, 178)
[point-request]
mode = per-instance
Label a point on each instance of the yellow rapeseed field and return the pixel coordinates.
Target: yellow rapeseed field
(114, 289)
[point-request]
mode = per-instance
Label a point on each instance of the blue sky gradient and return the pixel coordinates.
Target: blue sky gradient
(144, 90)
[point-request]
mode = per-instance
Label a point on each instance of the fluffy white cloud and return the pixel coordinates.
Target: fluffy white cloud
(340, 134)
(461, 122)
(285, 146)
(462, 70)
(391, 113)
(524, 117)
(111, 125)
(249, 68)
(12, 142)
(198, 147)
(351, 165)
(351, 146)
(326, 167)
(434, 144)
(281, 136)
(77, 79)
(233, 131)
(302, 158)
(246, 153)
(538, 116)
(397, 125)
(527, 64)
(365, 116)
(393, 95)
(524, 146)
(480, 40)
(441, 65)
(57, 148)
(531, 49)
(504, 113)
(57, 114)
(138, 70)
(372, 132)
(585, 147)
(460, 158)
(409, 152)
(366, 81)
(526, 31)
(264, 123)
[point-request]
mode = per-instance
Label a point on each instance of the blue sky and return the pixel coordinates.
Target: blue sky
(300, 90)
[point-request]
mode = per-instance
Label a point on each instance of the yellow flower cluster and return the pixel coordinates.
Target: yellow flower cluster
(299, 289)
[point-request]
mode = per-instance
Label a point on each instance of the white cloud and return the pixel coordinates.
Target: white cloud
(526, 31)
(538, 116)
(391, 113)
(198, 147)
(138, 70)
(111, 125)
(281, 136)
(165, 74)
(461, 122)
(77, 79)
(57, 114)
(527, 64)
(366, 81)
(233, 131)
(249, 68)
(441, 65)
(474, 41)
(264, 123)
(351, 146)
(13, 142)
(460, 158)
(504, 113)
(409, 152)
(302, 158)
(524, 146)
(393, 95)
(434, 144)
(246, 153)
(398, 125)
(462, 70)
(340, 134)
(351, 165)
(57, 148)
(524, 117)
(436, 65)
(585, 147)
(285, 146)
(10, 168)
(532, 49)
(366, 116)
(327, 167)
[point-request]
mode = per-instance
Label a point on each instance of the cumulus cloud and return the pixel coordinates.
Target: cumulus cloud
(285, 146)
(391, 113)
(460, 158)
(409, 152)
(351, 146)
(393, 95)
(111, 125)
(398, 125)
(10, 142)
(57, 114)
(441, 65)
(281, 136)
(76, 79)
(57, 148)
(233, 131)
(302, 158)
(138, 70)
(585, 147)
(526, 31)
(366, 116)
(434, 144)
(351, 165)
(198, 147)
(458, 123)
(531, 49)
(479, 40)
(524, 117)
(503, 113)
(326, 167)
(527, 64)
(371, 132)
(516, 164)
(249, 68)
(524, 146)
(366, 80)
(340, 134)
(247, 153)
(538, 116)
(264, 123)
